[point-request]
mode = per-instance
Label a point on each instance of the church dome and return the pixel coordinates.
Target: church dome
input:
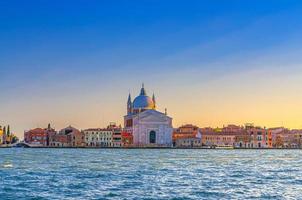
(143, 101)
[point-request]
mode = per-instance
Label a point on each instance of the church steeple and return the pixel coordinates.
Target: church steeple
(129, 105)
(154, 101)
(143, 91)
(129, 98)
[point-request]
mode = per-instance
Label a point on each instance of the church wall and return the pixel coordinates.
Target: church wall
(163, 133)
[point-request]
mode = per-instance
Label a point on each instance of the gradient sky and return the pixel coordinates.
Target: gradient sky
(209, 63)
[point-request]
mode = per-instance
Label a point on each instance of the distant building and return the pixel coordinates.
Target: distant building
(38, 136)
(218, 139)
(149, 127)
(260, 137)
(116, 135)
(98, 137)
(285, 138)
(188, 143)
(185, 131)
(296, 138)
(67, 137)
(249, 136)
(243, 140)
(7, 136)
(232, 129)
(1, 136)
(228, 136)
(58, 140)
(187, 136)
(127, 138)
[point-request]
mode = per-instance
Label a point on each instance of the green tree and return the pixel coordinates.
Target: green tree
(8, 131)
(15, 139)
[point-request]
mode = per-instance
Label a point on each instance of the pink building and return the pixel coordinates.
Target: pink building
(218, 139)
(260, 137)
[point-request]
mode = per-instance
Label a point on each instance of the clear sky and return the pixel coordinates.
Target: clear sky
(209, 63)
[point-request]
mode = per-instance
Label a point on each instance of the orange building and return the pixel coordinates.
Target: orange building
(184, 132)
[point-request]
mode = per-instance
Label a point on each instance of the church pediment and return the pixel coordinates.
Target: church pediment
(152, 116)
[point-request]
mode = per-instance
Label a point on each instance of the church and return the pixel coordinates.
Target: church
(149, 127)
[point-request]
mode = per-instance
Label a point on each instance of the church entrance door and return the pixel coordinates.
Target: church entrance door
(152, 137)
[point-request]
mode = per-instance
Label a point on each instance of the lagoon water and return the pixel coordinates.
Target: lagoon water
(150, 174)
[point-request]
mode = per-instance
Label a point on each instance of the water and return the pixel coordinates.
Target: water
(150, 174)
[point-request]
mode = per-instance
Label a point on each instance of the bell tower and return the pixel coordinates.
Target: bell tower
(129, 105)
(154, 101)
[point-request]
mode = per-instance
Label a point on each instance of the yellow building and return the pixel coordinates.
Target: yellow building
(1, 136)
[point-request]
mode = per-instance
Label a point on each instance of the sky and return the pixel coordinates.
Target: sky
(209, 62)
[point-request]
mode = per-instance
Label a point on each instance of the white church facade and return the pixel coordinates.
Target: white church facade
(149, 127)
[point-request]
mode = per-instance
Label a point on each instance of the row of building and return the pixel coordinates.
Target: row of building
(111, 136)
(6, 136)
(232, 136)
(187, 136)
(144, 126)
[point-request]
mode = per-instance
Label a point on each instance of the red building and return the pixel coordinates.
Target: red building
(127, 138)
(38, 136)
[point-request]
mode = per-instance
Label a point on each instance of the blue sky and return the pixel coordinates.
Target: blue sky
(81, 58)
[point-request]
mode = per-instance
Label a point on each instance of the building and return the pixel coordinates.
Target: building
(7, 137)
(188, 143)
(218, 139)
(243, 140)
(104, 137)
(127, 138)
(149, 127)
(98, 137)
(38, 136)
(249, 136)
(187, 136)
(232, 129)
(1, 136)
(295, 138)
(185, 131)
(227, 136)
(116, 135)
(67, 137)
(260, 137)
(285, 138)
(58, 140)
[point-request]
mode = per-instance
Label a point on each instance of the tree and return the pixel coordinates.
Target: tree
(8, 131)
(15, 139)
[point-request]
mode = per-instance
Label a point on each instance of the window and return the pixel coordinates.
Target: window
(152, 137)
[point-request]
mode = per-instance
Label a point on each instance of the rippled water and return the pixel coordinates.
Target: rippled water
(150, 174)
